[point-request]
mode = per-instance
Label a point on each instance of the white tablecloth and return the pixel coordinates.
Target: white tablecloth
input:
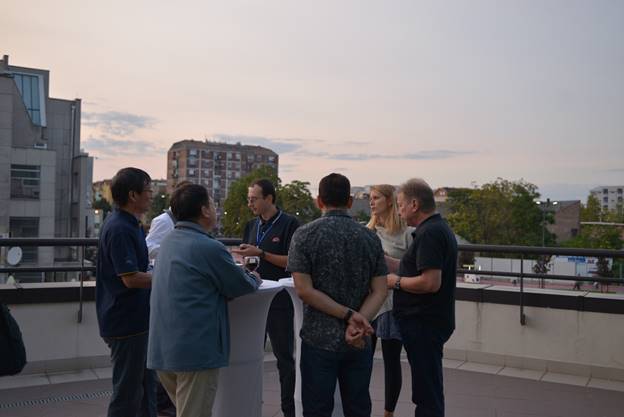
(240, 385)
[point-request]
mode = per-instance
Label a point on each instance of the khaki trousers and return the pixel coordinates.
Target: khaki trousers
(193, 393)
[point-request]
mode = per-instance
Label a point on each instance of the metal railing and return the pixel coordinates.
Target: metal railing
(523, 251)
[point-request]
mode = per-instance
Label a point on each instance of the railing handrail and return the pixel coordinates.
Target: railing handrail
(508, 249)
(542, 250)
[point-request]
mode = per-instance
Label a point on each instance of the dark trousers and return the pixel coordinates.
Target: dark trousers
(134, 386)
(393, 378)
(320, 369)
(280, 328)
(423, 343)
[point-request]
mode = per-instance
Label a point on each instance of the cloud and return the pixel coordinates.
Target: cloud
(108, 147)
(117, 123)
(424, 155)
(280, 146)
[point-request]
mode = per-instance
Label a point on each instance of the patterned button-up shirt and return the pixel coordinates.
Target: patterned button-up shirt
(342, 257)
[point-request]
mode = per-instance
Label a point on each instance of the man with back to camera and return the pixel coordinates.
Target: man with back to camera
(340, 272)
(268, 237)
(424, 296)
(160, 226)
(194, 277)
(122, 295)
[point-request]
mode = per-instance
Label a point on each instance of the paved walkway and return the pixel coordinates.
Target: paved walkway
(468, 394)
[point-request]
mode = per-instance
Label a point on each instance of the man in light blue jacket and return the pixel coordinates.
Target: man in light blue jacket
(194, 276)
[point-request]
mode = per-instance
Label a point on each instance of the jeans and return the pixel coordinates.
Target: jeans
(280, 328)
(320, 369)
(423, 343)
(134, 386)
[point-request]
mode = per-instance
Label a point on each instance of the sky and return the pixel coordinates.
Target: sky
(457, 92)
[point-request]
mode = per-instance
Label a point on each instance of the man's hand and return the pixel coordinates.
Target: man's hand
(256, 276)
(357, 329)
(247, 250)
(355, 337)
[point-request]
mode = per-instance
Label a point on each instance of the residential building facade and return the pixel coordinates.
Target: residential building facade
(610, 197)
(214, 165)
(45, 178)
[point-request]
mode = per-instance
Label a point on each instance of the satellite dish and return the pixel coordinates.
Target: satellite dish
(14, 256)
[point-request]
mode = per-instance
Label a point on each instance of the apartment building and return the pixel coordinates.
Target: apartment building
(45, 178)
(214, 165)
(610, 197)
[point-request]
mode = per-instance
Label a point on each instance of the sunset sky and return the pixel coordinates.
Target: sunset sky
(456, 92)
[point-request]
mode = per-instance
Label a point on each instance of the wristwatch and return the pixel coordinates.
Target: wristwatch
(397, 283)
(348, 315)
(262, 254)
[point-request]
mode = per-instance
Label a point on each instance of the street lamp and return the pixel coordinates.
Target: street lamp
(544, 205)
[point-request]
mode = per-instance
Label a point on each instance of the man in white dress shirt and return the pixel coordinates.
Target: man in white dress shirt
(159, 228)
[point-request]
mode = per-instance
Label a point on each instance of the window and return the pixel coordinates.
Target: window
(29, 88)
(25, 181)
(191, 172)
(605, 191)
(25, 227)
(605, 200)
(619, 191)
(619, 199)
(271, 159)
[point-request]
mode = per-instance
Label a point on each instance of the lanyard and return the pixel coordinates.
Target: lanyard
(260, 237)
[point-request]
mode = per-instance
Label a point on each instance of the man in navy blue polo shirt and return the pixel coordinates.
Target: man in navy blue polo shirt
(424, 294)
(268, 236)
(123, 294)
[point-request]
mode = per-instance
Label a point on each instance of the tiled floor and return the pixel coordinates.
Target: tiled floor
(468, 393)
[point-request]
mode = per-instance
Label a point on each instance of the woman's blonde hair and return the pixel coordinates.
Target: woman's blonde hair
(391, 221)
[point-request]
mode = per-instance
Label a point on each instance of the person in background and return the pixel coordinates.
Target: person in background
(159, 228)
(268, 237)
(424, 294)
(194, 277)
(395, 239)
(122, 295)
(339, 272)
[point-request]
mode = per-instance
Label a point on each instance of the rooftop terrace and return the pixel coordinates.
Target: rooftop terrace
(472, 390)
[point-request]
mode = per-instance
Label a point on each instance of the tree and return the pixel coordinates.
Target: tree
(235, 211)
(599, 236)
(362, 217)
(500, 213)
(295, 198)
(160, 202)
(103, 205)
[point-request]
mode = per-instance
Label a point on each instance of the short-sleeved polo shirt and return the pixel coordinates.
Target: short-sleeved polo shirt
(341, 256)
(274, 236)
(121, 311)
(434, 247)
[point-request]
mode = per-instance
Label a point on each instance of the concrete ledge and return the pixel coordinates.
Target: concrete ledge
(515, 364)
(66, 365)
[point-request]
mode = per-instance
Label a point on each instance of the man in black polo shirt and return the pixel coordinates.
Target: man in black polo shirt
(268, 236)
(424, 296)
(123, 294)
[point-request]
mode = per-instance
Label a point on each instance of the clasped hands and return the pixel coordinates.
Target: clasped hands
(358, 328)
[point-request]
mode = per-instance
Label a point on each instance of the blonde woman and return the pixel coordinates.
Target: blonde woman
(395, 239)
